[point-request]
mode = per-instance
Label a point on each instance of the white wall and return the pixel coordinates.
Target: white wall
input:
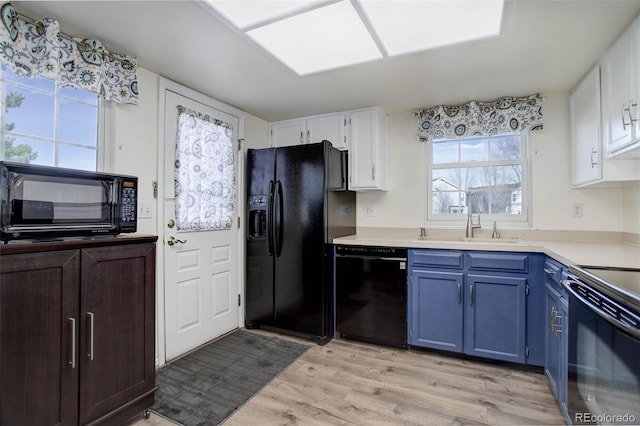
(403, 205)
(135, 139)
(631, 197)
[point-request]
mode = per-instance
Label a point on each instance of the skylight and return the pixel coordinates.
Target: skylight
(310, 36)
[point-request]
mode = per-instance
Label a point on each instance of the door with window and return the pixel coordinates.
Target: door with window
(200, 228)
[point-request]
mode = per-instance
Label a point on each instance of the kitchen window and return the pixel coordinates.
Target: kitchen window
(44, 123)
(482, 174)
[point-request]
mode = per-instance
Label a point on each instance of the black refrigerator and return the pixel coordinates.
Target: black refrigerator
(297, 202)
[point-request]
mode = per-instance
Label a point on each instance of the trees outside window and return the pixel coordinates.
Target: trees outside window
(43, 123)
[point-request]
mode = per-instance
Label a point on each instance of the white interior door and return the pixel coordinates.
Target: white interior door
(200, 265)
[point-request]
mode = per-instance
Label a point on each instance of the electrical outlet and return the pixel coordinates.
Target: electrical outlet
(576, 209)
(369, 211)
(144, 210)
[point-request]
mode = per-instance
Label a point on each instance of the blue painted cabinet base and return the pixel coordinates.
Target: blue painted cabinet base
(475, 303)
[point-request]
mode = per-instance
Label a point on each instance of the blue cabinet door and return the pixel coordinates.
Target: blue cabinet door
(437, 310)
(495, 323)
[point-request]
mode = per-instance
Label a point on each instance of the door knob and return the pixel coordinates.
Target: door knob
(171, 223)
(173, 240)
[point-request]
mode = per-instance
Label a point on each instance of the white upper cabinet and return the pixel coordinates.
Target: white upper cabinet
(331, 127)
(288, 132)
(621, 94)
(584, 104)
(368, 154)
(362, 132)
(605, 117)
(590, 167)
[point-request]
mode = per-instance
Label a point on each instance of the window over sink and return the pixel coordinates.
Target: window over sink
(44, 123)
(478, 174)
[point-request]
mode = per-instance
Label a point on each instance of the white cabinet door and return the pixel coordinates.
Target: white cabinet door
(329, 127)
(368, 152)
(289, 132)
(620, 92)
(585, 129)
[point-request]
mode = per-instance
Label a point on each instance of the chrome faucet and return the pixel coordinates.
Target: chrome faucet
(470, 225)
(423, 232)
(495, 233)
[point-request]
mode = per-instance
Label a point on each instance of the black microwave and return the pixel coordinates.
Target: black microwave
(40, 202)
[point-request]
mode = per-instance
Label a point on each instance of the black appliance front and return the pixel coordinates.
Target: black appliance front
(44, 202)
(371, 294)
(604, 363)
(289, 255)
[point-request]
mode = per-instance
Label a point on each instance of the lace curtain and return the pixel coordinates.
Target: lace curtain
(504, 115)
(40, 49)
(205, 184)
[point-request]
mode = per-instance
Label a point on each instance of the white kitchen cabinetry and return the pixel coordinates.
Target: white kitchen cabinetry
(584, 104)
(621, 94)
(288, 132)
(590, 167)
(362, 132)
(368, 152)
(331, 127)
(591, 129)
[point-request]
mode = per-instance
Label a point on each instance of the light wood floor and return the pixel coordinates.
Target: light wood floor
(351, 383)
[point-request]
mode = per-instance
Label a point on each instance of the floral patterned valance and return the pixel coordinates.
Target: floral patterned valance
(504, 115)
(40, 49)
(205, 183)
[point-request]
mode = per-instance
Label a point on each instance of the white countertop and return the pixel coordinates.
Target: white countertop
(609, 254)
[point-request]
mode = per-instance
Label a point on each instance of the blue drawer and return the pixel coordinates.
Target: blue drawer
(437, 258)
(513, 262)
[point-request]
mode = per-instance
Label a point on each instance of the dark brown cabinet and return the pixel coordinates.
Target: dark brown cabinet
(77, 331)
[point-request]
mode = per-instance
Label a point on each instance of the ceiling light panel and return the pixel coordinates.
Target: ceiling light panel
(246, 13)
(412, 25)
(329, 37)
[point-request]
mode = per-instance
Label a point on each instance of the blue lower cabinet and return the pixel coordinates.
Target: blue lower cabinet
(436, 310)
(495, 325)
(457, 308)
(553, 359)
(556, 321)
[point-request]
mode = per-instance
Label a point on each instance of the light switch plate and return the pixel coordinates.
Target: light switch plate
(144, 210)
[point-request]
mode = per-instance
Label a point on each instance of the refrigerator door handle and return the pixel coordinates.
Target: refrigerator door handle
(280, 226)
(270, 216)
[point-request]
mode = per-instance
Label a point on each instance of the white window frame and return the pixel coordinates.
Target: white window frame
(104, 132)
(506, 220)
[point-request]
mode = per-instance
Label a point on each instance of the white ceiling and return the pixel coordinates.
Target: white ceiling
(546, 46)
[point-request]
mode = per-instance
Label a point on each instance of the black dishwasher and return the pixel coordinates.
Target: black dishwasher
(371, 294)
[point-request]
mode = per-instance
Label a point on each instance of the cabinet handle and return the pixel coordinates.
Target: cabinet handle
(72, 321)
(459, 293)
(593, 163)
(471, 295)
(90, 354)
(302, 136)
(632, 105)
(308, 136)
(373, 172)
(624, 123)
(549, 271)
